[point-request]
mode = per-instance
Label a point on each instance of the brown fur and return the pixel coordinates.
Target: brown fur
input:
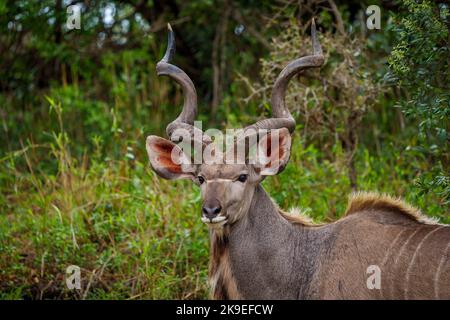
(363, 201)
(297, 216)
(366, 201)
(222, 282)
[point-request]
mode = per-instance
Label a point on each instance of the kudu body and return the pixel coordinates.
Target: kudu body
(270, 256)
(260, 252)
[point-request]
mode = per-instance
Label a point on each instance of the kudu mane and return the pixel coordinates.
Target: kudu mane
(366, 201)
(363, 202)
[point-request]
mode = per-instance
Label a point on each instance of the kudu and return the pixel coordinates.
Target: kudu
(257, 251)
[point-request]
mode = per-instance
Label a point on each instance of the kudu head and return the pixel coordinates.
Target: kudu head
(227, 187)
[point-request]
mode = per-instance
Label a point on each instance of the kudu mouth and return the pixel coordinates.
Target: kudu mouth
(216, 221)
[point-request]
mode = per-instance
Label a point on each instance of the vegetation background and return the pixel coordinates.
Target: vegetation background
(77, 105)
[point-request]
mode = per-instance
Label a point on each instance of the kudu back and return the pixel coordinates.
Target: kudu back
(381, 249)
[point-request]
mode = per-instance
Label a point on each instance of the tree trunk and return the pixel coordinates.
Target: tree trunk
(219, 60)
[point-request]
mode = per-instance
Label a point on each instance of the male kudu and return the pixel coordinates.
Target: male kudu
(260, 252)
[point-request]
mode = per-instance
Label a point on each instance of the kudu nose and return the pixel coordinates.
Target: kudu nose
(211, 212)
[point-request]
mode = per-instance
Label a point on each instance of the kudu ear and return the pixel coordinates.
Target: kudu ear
(274, 150)
(167, 159)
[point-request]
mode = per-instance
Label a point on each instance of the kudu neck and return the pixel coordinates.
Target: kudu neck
(264, 219)
(264, 213)
(261, 245)
(263, 208)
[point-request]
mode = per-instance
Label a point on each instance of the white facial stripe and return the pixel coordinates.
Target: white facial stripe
(219, 180)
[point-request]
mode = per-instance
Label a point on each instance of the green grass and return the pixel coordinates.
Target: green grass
(132, 234)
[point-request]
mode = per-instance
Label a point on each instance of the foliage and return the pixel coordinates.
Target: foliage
(420, 65)
(133, 235)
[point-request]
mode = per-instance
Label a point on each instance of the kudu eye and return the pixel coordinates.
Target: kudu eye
(201, 179)
(242, 178)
